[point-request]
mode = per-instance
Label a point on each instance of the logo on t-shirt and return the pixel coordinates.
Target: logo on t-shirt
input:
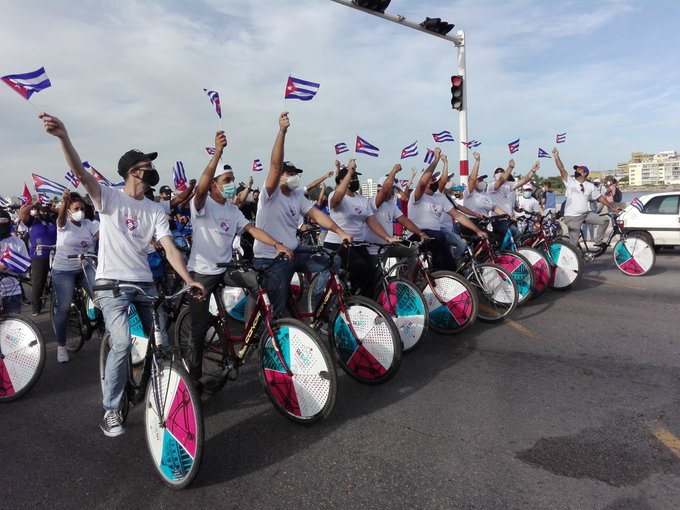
(224, 224)
(131, 224)
(436, 209)
(84, 243)
(357, 210)
(292, 212)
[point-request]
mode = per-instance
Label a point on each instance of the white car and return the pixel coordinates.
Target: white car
(658, 222)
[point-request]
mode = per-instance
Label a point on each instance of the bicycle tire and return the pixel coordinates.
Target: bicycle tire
(406, 304)
(454, 306)
(634, 256)
(375, 356)
(309, 300)
(173, 425)
(496, 290)
(76, 329)
(23, 356)
(308, 394)
(214, 351)
(541, 267)
(567, 265)
(520, 269)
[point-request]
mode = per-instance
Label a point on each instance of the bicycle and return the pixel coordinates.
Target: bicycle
(633, 254)
(22, 353)
(539, 262)
(84, 317)
(364, 339)
(295, 370)
(173, 418)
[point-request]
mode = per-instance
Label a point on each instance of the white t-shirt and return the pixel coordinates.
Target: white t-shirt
(74, 240)
(126, 229)
(504, 197)
(385, 214)
(477, 201)
(10, 286)
(426, 213)
(530, 205)
(577, 200)
(279, 215)
(445, 220)
(350, 216)
(214, 229)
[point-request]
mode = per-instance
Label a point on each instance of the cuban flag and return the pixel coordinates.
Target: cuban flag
(71, 177)
(364, 147)
(4, 202)
(25, 197)
(210, 151)
(429, 156)
(341, 147)
(444, 136)
(15, 261)
(410, 150)
(43, 199)
(543, 154)
(43, 185)
(472, 143)
(513, 146)
(637, 203)
(215, 100)
(257, 165)
(403, 183)
(561, 138)
(179, 177)
(28, 83)
(103, 181)
(301, 89)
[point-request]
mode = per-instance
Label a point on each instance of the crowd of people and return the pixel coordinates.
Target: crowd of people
(196, 229)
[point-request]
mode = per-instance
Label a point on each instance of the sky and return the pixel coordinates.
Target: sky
(130, 74)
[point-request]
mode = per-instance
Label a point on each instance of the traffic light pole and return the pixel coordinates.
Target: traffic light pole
(459, 41)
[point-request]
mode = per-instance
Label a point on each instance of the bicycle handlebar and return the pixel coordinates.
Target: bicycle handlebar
(117, 286)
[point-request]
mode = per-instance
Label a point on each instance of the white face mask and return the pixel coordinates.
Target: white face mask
(293, 182)
(78, 216)
(481, 187)
(497, 176)
(526, 194)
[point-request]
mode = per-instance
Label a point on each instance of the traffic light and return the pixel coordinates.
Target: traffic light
(457, 92)
(437, 25)
(373, 5)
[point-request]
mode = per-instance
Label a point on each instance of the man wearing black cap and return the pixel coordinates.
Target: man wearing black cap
(279, 213)
(578, 193)
(128, 224)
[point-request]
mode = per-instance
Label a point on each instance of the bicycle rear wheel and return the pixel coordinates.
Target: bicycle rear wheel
(567, 264)
(173, 425)
(406, 304)
(541, 267)
(104, 348)
(301, 383)
(370, 349)
(496, 290)
(452, 303)
(521, 271)
(634, 256)
(23, 356)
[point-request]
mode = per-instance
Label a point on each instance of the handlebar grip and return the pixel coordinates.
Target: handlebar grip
(76, 256)
(105, 286)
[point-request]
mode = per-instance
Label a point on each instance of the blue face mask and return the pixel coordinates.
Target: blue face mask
(228, 191)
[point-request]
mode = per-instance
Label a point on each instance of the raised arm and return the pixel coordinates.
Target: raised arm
(384, 193)
(322, 195)
(318, 181)
(341, 188)
(184, 195)
(560, 165)
(203, 187)
(472, 178)
(276, 162)
(241, 197)
(406, 192)
(56, 127)
(63, 210)
(444, 178)
(427, 174)
(530, 175)
(508, 171)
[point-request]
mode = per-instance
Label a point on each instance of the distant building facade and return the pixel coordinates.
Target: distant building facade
(369, 188)
(654, 169)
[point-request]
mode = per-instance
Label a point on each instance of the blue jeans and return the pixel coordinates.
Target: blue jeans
(277, 279)
(64, 283)
(115, 311)
(457, 244)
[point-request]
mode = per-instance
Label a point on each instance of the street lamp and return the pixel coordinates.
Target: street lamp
(438, 28)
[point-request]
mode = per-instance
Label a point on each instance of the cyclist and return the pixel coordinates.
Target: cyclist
(279, 212)
(128, 223)
(216, 221)
(10, 288)
(75, 235)
(576, 208)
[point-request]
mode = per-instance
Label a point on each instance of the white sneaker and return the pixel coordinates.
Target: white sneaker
(62, 354)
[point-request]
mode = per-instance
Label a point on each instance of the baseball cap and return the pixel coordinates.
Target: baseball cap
(290, 168)
(131, 158)
(226, 169)
(583, 168)
(482, 177)
(528, 187)
(460, 188)
(165, 189)
(342, 173)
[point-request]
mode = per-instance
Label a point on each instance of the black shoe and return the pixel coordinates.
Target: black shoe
(112, 425)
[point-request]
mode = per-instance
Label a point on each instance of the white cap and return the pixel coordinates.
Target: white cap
(226, 169)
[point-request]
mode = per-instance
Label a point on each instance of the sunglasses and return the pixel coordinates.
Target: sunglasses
(582, 189)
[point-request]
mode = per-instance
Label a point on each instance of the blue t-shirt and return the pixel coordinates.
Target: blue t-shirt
(41, 233)
(549, 199)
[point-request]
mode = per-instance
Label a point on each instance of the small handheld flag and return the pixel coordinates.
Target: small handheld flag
(43, 199)
(543, 154)
(98, 177)
(444, 136)
(637, 203)
(15, 261)
(410, 150)
(341, 147)
(403, 183)
(561, 138)
(301, 89)
(429, 156)
(28, 83)
(513, 146)
(179, 177)
(364, 147)
(210, 151)
(43, 185)
(4, 202)
(257, 165)
(71, 177)
(472, 143)
(215, 100)
(26, 198)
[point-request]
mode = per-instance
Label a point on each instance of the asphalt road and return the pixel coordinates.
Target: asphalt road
(573, 403)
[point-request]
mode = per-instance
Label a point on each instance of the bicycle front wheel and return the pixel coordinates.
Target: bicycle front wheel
(406, 304)
(496, 290)
(23, 356)
(173, 428)
(297, 372)
(540, 266)
(452, 303)
(634, 256)
(520, 270)
(365, 340)
(567, 264)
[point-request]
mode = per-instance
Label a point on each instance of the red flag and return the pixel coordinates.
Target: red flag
(26, 197)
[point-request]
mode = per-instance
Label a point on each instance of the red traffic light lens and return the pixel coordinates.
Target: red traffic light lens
(456, 81)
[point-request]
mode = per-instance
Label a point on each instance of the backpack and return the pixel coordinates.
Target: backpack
(618, 196)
